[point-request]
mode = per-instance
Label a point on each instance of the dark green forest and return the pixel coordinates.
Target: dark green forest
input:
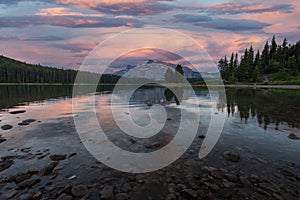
(276, 62)
(12, 71)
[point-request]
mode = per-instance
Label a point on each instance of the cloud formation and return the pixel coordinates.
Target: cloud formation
(240, 8)
(221, 23)
(68, 21)
(122, 7)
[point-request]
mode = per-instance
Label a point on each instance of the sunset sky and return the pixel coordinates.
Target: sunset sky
(61, 33)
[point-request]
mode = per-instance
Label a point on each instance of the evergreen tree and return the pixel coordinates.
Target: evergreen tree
(265, 57)
(273, 48)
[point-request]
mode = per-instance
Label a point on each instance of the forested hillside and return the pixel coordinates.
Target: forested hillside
(12, 71)
(276, 62)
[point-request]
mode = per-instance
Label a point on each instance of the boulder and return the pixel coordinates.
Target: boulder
(79, 191)
(231, 156)
(107, 193)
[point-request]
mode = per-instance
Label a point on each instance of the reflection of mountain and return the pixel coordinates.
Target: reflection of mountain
(269, 106)
(156, 69)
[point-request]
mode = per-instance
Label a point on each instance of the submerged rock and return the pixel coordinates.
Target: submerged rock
(107, 193)
(6, 127)
(153, 145)
(231, 156)
(37, 196)
(22, 177)
(26, 122)
(57, 157)
(292, 136)
(29, 183)
(2, 139)
(64, 197)
(48, 169)
(201, 136)
(79, 190)
(72, 154)
(17, 112)
(6, 164)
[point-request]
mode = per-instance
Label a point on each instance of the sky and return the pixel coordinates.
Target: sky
(62, 33)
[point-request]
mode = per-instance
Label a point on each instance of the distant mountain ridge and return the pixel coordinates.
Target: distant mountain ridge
(155, 70)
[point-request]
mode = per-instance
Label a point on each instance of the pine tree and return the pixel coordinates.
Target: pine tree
(265, 57)
(273, 48)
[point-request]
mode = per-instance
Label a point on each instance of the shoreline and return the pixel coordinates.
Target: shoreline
(295, 87)
(253, 86)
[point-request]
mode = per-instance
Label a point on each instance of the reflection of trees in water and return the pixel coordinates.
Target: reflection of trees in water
(174, 92)
(12, 95)
(175, 77)
(269, 106)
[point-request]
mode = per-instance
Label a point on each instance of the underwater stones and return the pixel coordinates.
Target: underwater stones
(107, 193)
(6, 127)
(79, 190)
(292, 136)
(57, 157)
(231, 156)
(26, 122)
(7, 163)
(17, 112)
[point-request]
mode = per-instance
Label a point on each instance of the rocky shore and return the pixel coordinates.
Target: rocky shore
(50, 162)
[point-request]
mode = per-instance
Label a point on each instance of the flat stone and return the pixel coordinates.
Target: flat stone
(208, 169)
(10, 194)
(262, 160)
(64, 197)
(6, 127)
(79, 190)
(29, 120)
(22, 177)
(29, 156)
(126, 187)
(215, 175)
(37, 196)
(231, 156)
(231, 177)
(269, 186)
(122, 196)
(72, 154)
(107, 193)
(23, 124)
(29, 183)
(25, 196)
(48, 169)
(244, 180)
(57, 157)
(5, 164)
(228, 184)
(153, 145)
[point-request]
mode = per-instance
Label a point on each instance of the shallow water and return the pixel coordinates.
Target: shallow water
(258, 123)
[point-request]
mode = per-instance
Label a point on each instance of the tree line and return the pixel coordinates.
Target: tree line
(12, 71)
(274, 62)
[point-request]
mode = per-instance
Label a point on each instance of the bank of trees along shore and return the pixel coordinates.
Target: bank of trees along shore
(276, 62)
(12, 71)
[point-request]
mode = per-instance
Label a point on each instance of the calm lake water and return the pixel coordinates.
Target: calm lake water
(258, 123)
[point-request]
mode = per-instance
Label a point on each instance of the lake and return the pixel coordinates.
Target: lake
(257, 155)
